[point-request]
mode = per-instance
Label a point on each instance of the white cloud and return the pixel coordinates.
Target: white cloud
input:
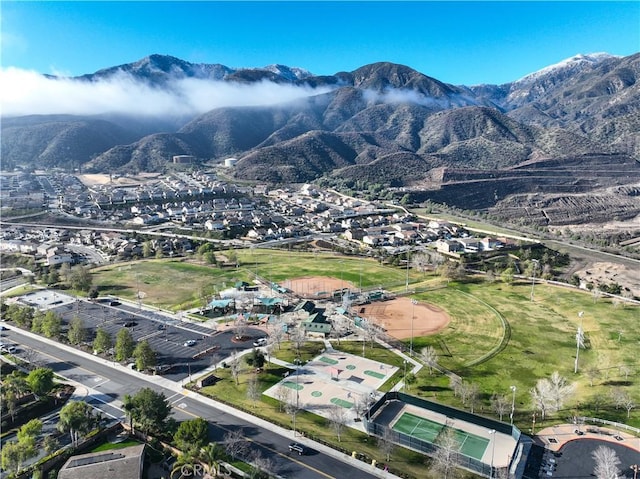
(25, 92)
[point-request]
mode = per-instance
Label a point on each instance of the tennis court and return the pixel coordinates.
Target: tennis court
(427, 430)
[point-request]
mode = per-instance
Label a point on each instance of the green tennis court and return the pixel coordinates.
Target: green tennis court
(418, 427)
(470, 444)
(427, 430)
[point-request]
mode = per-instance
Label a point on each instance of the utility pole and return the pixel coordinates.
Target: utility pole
(513, 403)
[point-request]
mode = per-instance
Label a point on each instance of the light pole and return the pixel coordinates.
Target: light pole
(513, 403)
(533, 278)
(493, 450)
(406, 286)
(413, 305)
(405, 375)
(635, 468)
(579, 342)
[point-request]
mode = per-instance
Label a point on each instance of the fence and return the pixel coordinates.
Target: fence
(472, 464)
(617, 425)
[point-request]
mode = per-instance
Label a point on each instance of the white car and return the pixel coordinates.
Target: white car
(260, 342)
(189, 343)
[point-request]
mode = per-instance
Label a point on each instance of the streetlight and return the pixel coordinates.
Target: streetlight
(635, 468)
(406, 287)
(413, 305)
(493, 450)
(579, 342)
(533, 278)
(405, 375)
(513, 403)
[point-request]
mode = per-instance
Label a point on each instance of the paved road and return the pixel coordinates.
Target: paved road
(107, 384)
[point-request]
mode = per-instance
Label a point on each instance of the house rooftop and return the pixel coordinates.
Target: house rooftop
(125, 463)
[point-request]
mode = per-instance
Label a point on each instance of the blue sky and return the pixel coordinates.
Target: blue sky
(456, 42)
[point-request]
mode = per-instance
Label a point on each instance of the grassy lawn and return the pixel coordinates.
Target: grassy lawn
(539, 337)
(278, 266)
(168, 284)
(107, 446)
(542, 341)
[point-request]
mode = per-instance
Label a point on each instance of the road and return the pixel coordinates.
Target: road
(108, 383)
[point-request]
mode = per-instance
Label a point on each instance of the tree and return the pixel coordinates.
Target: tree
(549, 395)
(430, 357)
(507, 275)
(125, 345)
(387, 442)
(261, 467)
(40, 381)
(240, 326)
(592, 373)
(77, 333)
(212, 455)
(12, 456)
(235, 444)
(410, 379)
(624, 400)
(77, 419)
(14, 386)
(80, 278)
(298, 337)
(192, 435)
(235, 367)
(145, 356)
(338, 419)
(102, 342)
(148, 410)
(561, 390)
(445, 459)
(31, 429)
(283, 395)
(541, 396)
(256, 358)
(253, 390)
(50, 444)
(500, 404)
(607, 463)
(51, 325)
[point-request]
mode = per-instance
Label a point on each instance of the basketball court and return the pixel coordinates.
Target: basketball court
(333, 378)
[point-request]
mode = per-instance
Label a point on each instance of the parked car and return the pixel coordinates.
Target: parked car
(189, 343)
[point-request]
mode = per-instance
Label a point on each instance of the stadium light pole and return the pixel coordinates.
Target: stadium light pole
(513, 403)
(493, 450)
(413, 305)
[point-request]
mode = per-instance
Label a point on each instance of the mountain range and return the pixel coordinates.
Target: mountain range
(521, 148)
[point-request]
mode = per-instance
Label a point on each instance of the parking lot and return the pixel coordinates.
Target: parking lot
(183, 347)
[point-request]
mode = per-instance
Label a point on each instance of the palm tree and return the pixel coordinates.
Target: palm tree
(183, 466)
(212, 455)
(128, 407)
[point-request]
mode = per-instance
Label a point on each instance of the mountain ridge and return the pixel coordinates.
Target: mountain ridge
(382, 121)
